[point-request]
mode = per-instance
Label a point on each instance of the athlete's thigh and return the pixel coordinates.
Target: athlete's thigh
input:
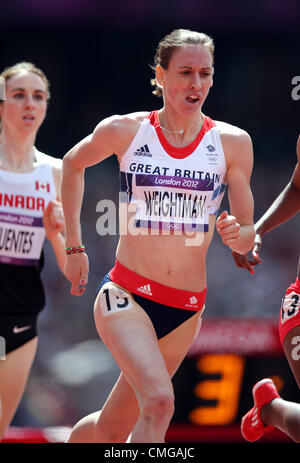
(291, 346)
(128, 333)
(175, 345)
(14, 371)
(122, 403)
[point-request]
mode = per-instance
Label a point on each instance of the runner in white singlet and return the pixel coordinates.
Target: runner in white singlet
(30, 211)
(174, 166)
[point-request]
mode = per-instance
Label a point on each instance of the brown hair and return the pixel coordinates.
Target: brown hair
(29, 67)
(176, 39)
(25, 66)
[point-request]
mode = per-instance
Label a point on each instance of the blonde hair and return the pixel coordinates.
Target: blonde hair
(176, 39)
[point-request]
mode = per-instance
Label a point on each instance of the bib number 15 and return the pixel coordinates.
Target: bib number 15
(114, 300)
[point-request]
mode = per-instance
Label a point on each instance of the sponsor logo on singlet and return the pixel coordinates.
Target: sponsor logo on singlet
(143, 151)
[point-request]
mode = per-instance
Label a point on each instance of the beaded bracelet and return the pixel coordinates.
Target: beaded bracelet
(75, 249)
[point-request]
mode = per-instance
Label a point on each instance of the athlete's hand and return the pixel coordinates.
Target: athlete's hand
(77, 271)
(243, 261)
(53, 219)
(228, 228)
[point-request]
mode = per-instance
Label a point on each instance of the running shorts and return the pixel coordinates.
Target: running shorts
(290, 310)
(166, 307)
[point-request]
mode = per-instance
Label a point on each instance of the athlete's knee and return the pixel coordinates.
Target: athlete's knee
(158, 404)
(114, 430)
(94, 429)
(112, 434)
(84, 430)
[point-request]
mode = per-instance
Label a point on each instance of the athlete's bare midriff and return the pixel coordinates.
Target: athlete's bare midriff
(177, 261)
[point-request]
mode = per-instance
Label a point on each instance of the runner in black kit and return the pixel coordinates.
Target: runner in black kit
(174, 166)
(30, 209)
(270, 410)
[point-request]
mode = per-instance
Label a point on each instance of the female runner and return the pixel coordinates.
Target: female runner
(30, 210)
(174, 165)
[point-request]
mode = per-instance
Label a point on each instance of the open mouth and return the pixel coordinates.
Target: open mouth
(28, 117)
(192, 99)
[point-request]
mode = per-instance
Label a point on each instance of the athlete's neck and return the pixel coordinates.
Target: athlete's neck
(182, 128)
(16, 154)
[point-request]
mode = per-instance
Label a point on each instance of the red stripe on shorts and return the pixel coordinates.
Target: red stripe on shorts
(149, 289)
(294, 321)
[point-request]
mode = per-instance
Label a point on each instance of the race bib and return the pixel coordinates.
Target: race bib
(21, 239)
(290, 306)
(114, 299)
(172, 202)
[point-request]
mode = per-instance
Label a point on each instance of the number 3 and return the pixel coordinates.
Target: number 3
(224, 391)
(288, 308)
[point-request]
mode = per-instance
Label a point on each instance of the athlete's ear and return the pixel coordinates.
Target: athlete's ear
(160, 76)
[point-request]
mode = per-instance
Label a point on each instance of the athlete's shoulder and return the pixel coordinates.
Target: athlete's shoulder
(138, 116)
(43, 158)
(118, 131)
(120, 122)
(231, 131)
(237, 144)
(234, 137)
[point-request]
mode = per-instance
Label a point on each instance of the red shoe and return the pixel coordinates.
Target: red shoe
(252, 427)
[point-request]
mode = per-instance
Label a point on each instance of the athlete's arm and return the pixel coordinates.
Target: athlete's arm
(109, 137)
(285, 206)
(54, 225)
(53, 220)
(237, 229)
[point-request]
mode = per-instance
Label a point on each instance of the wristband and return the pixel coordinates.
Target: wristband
(75, 249)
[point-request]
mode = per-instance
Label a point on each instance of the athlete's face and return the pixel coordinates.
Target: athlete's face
(26, 103)
(187, 81)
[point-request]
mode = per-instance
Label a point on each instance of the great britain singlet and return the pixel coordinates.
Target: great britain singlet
(23, 199)
(173, 188)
